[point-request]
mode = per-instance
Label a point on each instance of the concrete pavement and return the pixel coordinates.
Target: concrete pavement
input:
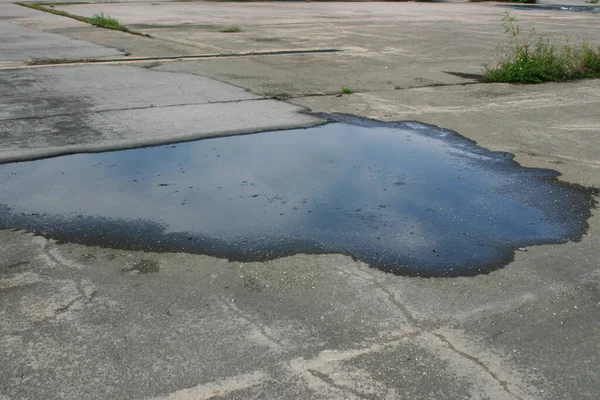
(86, 322)
(60, 110)
(24, 43)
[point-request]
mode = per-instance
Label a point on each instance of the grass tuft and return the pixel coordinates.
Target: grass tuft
(56, 61)
(60, 3)
(534, 59)
(347, 90)
(231, 29)
(104, 21)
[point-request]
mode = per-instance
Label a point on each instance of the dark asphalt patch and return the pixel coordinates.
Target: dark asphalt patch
(405, 197)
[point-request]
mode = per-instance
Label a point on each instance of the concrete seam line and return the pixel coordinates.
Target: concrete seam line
(61, 13)
(38, 117)
(66, 61)
(39, 154)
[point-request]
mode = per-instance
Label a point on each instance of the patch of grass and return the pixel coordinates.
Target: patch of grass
(267, 39)
(56, 61)
(231, 29)
(104, 21)
(60, 3)
(99, 20)
(592, 1)
(534, 59)
(347, 90)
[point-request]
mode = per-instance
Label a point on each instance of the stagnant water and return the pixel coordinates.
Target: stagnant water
(404, 197)
(555, 7)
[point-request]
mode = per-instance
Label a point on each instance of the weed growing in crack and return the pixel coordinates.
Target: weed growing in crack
(99, 20)
(104, 21)
(534, 59)
(231, 29)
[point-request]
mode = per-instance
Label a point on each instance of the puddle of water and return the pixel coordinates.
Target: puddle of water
(403, 197)
(554, 7)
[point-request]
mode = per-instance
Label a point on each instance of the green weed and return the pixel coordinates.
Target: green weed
(104, 21)
(231, 29)
(534, 59)
(347, 90)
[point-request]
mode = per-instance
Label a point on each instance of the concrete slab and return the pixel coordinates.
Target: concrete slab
(122, 42)
(453, 30)
(51, 111)
(314, 74)
(385, 45)
(134, 45)
(41, 92)
(24, 44)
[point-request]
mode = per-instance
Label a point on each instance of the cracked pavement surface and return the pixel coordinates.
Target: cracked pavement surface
(293, 327)
(96, 323)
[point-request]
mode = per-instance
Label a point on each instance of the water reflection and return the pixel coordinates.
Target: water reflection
(406, 197)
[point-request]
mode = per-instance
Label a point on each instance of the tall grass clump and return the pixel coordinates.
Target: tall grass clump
(231, 29)
(534, 59)
(104, 21)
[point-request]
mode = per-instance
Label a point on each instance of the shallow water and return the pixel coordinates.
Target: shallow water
(555, 7)
(403, 197)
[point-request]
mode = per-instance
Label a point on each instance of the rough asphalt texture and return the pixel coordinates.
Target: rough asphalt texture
(85, 322)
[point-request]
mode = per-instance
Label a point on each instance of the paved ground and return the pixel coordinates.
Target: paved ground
(82, 322)
(60, 110)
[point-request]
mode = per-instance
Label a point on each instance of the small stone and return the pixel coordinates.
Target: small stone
(522, 248)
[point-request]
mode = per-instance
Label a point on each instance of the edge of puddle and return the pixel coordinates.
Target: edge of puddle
(590, 193)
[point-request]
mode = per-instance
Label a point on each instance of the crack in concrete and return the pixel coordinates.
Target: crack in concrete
(17, 264)
(132, 60)
(66, 307)
(338, 94)
(392, 299)
(219, 388)
(327, 380)
(368, 276)
(86, 297)
(419, 326)
(475, 360)
(83, 296)
(264, 331)
(46, 252)
(90, 112)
